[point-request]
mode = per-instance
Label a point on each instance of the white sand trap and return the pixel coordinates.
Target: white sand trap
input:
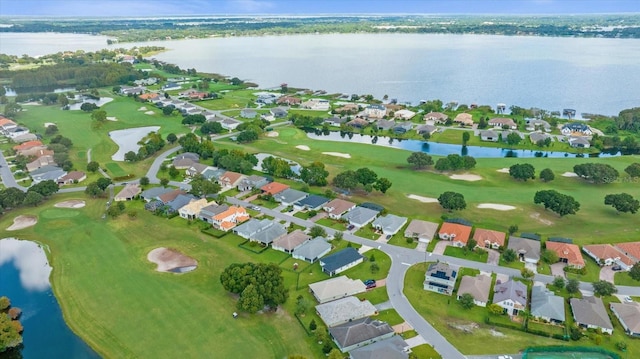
(73, 203)
(112, 118)
(149, 113)
(143, 108)
(466, 177)
(170, 260)
(23, 221)
(272, 134)
(303, 147)
(337, 154)
(497, 207)
(127, 140)
(569, 174)
(47, 124)
(503, 170)
(423, 199)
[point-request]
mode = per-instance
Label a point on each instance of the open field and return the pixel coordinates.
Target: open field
(594, 223)
(89, 254)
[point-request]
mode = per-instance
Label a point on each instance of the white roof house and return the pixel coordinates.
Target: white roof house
(344, 310)
(336, 288)
(389, 224)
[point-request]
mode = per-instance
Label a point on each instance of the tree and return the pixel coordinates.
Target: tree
(168, 110)
(201, 186)
(513, 139)
(45, 188)
(509, 255)
(634, 272)
(317, 231)
(573, 285)
(314, 174)
(526, 273)
(633, 170)
(173, 172)
(558, 282)
(596, 172)
(522, 172)
(267, 279)
(247, 136)
(313, 325)
(604, 288)
(557, 202)
(302, 305)
(420, 160)
(337, 236)
(250, 300)
(99, 115)
(452, 201)
(50, 130)
(278, 167)
(130, 156)
(366, 176)
(374, 268)
(495, 309)
(549, 257)
(467, 301)
(471, 244)
(93, 190)
(172, 138)
(622, 202)
(547, 175)
(93, 166)
(211, 127)
(32, 198)
(103, 183)
(164, 182)
(193, 119)
(465, 137)
(346, 180)
(513, 229)
(88, 107)
(144, 181)
(9, 332)
(5, 303)
(382, 184)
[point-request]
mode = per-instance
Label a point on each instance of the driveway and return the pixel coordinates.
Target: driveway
(440, 247)
(494, 257)
(422, 247)
(606, 273)
(557, 269)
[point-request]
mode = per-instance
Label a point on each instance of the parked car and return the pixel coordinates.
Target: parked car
(628, 299)
(371, 286)
(351, 226)
(369, 281)
(616, 268)
(388, 236)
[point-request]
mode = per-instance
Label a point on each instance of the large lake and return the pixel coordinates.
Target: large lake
(589, 75)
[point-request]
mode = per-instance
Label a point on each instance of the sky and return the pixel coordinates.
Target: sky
(137, 8)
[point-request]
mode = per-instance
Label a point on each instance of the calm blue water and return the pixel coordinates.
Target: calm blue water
(24, 279)
(443, 149)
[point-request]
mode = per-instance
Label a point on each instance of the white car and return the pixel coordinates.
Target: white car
(628, 299)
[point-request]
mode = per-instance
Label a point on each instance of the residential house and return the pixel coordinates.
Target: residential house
(267, 117)
(213, 173)
(312, 202)
(170, 86)
(266, 98)
(25, 138)
(316, 104)
(391, 348)
(289, 242)
(500, 122)
(337, 207)
(440, 277)
(606, 255)
(360, 216)
(375, 111)
(359, 333)
(458, 234)
(196, 169)
(180, 201)
(192, 210)
(511, 296)
(488, 238)
(185, 160)
(358, 123)
(251, 229)
(576, 129)
(40, 162)
(278, 112)
(230, 179)
(421, 230)
(228, 218)
(29, 145)
(389, 224)
(579, 142)
(47, 173)
(536, 137)
(72, 177)
(344, 310)
(289, 196)
(251, 182)
(546, 305)
(230, 124)
(489, 136)
(533, 124)
(384, 125)
(404, 114)
(464, 119)
(311, 251)
(567, 253)
(630, 249)
(146, 82)
(430, 129)
(248, 113)
(149, 97)
(528, 250)
(336, 288)
(6, 124)
(629, 316)
(436, 117)
(349, 108)
(207, 213)
(132, 90)
(589, 312)
(401, 128)
(477, 286)
(153, 193)
(269, 234)
(37, 152)
(335, 121)
(16, 132)
(340, 261)
(290, 101)
(129, 192)
(170, 196)
(274, 188)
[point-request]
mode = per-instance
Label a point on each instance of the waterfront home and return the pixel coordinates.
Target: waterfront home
(359, 333)
(590, 313)
(129, 192)
(579, 142)
(312, 202)
(546, 305)
(344, 310)
(348, 107)
(358, 123)
(478, 287)
(337, 207)
(404, 114)
(375, 111)
(528, 250)
(629, 316)
(488, 238)
(464, 119)
(316, 104)
(576, 129)
(72, 177)
(567, 253)
(489, 136)
(360, 216)
(421, 230)
(289, 242)
(289, 101)
(441, 277)
(436, 117)
(607, 255)
(401, 128)
(533, 124)
(311, 251)
(536, 137)
(511, 296)
(335, 121)
(458, 234)
(340, 261)
(389, 224)
(501, 122)
(336, 288)
(422, 129)
(384, 125)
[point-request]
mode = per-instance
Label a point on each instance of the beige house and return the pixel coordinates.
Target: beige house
(421, 230)
(129, 192)
(464, 119)
(478, 287)
(191, 210)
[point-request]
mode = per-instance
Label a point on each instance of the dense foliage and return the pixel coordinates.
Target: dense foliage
(10, 327)
(452, 201)
(596, 172)
(455, 162)
(419, 160)
(559, 203)
(522, 172)
(256, 283)
(314, 174)
(622, 202)
(349, 180)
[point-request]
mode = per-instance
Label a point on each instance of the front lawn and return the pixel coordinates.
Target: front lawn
(331, 223)
(375, 296)
(363, 270)
(623, 278)
(478, 256)
(266, 204)
(425, 351)
(368, 233)
(390, 316)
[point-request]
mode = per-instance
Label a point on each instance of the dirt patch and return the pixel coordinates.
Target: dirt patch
(569, 174)
(503, 170)
(337, 154)
(273, 134)
(467, 328)
(497, 207)
(170, 260)
(73, 203)
(466, 177)
(22, 222)
(423, 199)
(536, 216)
(303, 147)
(112, 118)
(496, 333)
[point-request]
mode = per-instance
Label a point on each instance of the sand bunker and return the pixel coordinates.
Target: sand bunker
(23, 221)
(466, 177)
(337, 154)
(149, 113)
(503, 170)
(303, 147)
(111, 118)
(47, 124)
(569, 174)
(423, 199)
(272, 134)
(170, 260)
(498, 207)
(143, 108)
(73, 203)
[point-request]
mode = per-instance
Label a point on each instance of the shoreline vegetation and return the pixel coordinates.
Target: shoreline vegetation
(154, 29)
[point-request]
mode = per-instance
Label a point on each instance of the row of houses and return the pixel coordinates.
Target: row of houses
(15, 132)
(42, 166)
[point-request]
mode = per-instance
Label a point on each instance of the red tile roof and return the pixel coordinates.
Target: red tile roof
(570, 252)
(460, 231)
(630, 248)
(27, 145)
(482, 236)
(274, 187)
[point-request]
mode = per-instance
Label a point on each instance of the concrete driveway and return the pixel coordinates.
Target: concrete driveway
(557, 269)
(494, 257)
(606, 273)
(440, 247)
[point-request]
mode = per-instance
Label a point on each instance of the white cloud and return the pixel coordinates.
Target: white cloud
(30, 260)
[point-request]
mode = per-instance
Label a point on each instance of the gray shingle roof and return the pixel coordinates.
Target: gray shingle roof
(269, 234)
(344, 310)
(390, 223)
(546, 304)
(528, 247)
(477, 286)
(290, 196)
(590, 311)
(391, 348)
(340, 259)
(312, 249)
(359, 331)
(360, 215)
(514, 290)
(312, 201)
(154, 192)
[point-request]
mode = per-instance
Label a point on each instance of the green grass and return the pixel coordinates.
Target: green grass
(368, 233)
(108, 313)
(425, 351)
(332, 223)
(115, 170)
(466, 254)
(363, 270)
(623, 278)
(390, 316)
(263, 203)
(593, 271)
(375, 296)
